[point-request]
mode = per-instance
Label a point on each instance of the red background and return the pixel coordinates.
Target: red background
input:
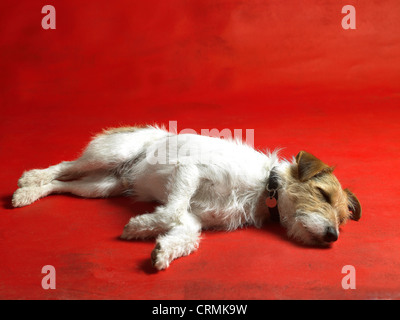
(286, 69)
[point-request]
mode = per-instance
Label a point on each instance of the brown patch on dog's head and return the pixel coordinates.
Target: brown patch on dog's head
(309, 166)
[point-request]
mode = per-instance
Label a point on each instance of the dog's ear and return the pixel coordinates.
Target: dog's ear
(354, 205)
(309, 166)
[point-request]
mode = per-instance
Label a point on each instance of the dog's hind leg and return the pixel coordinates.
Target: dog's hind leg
(67, 170)
(97, 184)
(105, 151)
(91, 174)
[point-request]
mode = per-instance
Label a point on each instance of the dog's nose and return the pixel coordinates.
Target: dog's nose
(330, 234)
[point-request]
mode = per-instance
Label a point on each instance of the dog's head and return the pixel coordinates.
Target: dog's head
(313, 204)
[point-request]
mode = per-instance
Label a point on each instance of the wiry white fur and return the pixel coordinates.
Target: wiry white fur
(200, 182)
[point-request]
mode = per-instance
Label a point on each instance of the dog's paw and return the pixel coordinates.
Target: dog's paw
(129, 232)
(25, 196)
(136, 229)
(159, 258)
(35, 178)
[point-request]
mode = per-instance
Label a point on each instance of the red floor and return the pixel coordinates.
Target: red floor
(285, 69)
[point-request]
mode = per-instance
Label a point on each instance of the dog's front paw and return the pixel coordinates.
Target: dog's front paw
(129, 232)
(159, 258)
(35, 178)
(137, 228)
(25, 196)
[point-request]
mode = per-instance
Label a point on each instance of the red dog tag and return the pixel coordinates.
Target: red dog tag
(270, 202)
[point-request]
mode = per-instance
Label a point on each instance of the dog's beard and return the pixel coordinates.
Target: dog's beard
(308, 229)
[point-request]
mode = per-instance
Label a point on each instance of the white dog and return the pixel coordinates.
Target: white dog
(200, 182)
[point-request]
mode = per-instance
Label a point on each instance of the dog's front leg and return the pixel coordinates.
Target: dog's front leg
(180, 241)
(185, 228)
(179, 227)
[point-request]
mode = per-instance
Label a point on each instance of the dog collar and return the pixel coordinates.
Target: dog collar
(272, 199)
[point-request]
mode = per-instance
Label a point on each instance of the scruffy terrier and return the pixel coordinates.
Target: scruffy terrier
(200, 182)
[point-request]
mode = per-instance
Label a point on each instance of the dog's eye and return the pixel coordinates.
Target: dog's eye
(324, 195)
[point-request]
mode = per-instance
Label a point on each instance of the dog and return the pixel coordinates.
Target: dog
(200, 182)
